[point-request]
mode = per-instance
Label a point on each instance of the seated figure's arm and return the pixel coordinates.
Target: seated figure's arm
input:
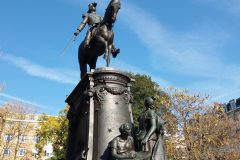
(115, 155)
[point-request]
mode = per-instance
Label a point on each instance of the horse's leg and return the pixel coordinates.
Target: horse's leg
(83, 68)
(106, 49)
(108, 55)
(115, 51)
(82, 61)
(92, 63)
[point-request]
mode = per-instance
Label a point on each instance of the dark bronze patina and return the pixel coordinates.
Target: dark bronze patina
(92, 19)
(99, 105)
(99, 37)
(150, 134)
(149, 137)
(122, 146)
(101, 102)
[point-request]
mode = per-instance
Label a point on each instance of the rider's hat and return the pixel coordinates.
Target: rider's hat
(93, 4)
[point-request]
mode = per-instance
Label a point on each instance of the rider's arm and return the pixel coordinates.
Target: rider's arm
(82, 25)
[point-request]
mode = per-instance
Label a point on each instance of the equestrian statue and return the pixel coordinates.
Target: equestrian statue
(99, 37)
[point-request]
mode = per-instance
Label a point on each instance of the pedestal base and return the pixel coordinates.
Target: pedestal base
(99, 104)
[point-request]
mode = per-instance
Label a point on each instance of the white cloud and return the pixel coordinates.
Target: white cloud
(188, 53)
(193, 54)
(219, 90)
(27, 102)
(58, 75)
(118, 64)
(135, 69)
(231, 6)
(2, 102)
(1, 87)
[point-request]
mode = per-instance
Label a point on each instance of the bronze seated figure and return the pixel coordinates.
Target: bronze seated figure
(122, 146)
(149, 138)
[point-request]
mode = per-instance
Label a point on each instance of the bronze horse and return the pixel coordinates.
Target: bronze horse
(101, 42)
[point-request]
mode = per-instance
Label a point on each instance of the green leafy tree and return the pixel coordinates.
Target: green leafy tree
(143, 87)
(53, 129)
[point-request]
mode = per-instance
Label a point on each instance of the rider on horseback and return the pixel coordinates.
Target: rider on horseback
(93, 20)
(90, 18)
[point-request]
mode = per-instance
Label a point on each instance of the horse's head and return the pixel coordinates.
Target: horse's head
(112, 11)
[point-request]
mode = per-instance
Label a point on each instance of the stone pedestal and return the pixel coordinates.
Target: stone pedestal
(99, 104)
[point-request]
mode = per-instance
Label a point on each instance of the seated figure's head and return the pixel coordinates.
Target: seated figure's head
(125, 129)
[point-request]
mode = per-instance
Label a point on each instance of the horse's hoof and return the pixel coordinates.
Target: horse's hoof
(115, 53)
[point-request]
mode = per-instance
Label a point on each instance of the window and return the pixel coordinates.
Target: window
(228, 107)
(36, 139)
(238, 102)
(21, 152)
(34, 152)
(22, 138)
(12, 116)
(24, 125)
(7, 151)
(47, 154)
(32, 117)
(238, 131)
(8, 137)
(9, 125)
(238, 147)
(233, 104)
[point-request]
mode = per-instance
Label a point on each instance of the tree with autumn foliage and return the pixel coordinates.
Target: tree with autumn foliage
(194, 129)
(204, 130)
(15, 129)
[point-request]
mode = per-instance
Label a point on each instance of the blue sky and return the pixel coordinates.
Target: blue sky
(190, 44)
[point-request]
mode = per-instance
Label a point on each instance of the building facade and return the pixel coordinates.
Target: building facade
(19, 138)
(232, 108)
